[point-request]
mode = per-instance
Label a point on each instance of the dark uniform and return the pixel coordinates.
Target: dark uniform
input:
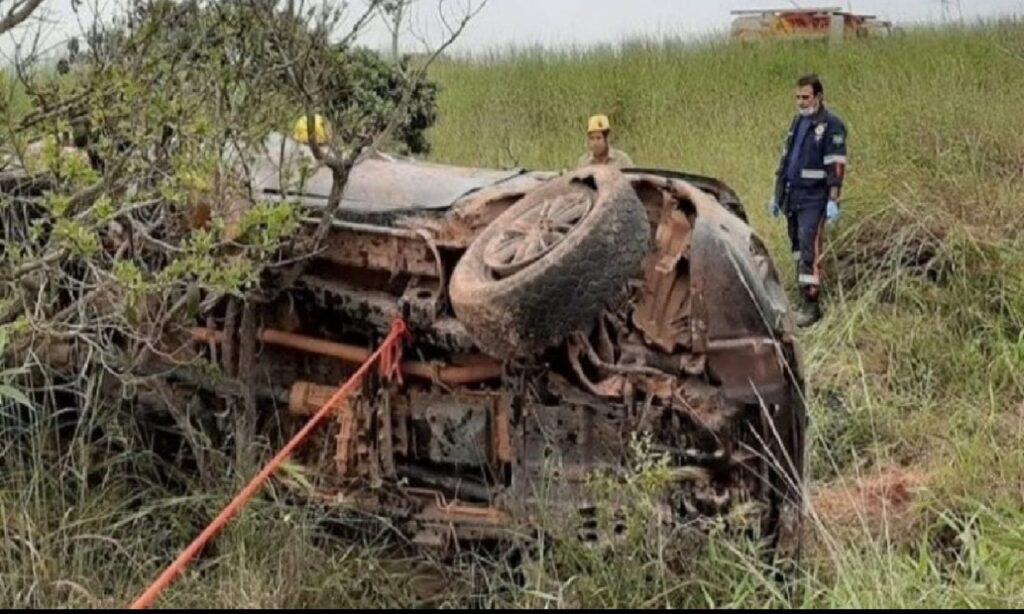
(813, 161)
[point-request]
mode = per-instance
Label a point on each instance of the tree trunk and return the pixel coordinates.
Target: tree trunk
(396, 26)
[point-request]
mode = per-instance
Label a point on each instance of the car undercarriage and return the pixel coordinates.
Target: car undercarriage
(556, 320)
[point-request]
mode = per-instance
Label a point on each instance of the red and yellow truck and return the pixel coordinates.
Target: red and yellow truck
(831, 23)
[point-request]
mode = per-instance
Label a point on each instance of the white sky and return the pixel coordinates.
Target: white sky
(556, 23)
(581, 22)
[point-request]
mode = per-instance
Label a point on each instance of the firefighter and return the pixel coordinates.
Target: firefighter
(600, 151)
(807, 187)
(321, 130)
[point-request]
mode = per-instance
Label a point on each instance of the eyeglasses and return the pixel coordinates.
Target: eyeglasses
(804, 96)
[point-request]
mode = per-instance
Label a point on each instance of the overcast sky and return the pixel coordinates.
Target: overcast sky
(581, 22)
(503, 23)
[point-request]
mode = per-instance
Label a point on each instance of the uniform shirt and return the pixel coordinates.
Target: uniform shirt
(616, 158)
(793, 164)
(811, 166)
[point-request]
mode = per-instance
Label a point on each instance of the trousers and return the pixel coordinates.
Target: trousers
(806, 226)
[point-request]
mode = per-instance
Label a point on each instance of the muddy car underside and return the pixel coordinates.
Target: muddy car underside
(555, 321)
(692, 353)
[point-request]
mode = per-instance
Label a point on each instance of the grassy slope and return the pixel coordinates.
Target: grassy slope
(906, 372)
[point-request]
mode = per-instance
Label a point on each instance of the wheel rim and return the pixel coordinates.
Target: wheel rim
(535, 233)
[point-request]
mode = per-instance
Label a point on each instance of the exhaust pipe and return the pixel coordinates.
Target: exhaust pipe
(483, 370)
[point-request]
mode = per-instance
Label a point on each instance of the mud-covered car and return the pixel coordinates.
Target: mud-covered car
(553, 318)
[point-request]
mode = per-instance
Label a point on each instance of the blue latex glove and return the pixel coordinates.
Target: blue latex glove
(773, 208)
(831, 211)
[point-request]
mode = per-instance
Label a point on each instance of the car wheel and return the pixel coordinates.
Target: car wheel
(550, 263)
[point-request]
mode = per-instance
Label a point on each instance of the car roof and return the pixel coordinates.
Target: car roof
(378, 184)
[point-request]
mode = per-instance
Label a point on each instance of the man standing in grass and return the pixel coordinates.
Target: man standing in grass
(807, 186)
(600, 151)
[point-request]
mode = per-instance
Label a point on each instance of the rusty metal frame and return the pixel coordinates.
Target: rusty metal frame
(481, 369)
(664, 311)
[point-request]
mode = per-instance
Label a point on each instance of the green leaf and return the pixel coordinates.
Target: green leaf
(12, 393)
(293, 471)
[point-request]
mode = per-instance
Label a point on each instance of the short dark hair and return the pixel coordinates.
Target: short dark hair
(812, 80)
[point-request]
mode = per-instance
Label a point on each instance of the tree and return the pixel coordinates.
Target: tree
(115, 246)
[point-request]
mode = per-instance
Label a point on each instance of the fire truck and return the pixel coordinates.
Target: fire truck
(827, 23)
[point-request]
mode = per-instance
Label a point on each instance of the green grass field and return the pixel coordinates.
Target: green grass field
(917, 372)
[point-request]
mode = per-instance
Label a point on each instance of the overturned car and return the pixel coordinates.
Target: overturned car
(555, 320)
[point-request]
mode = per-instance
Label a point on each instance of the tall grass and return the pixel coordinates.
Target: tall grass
(89, 519)
(917, 396)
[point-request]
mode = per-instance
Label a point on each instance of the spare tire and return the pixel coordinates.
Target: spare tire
(550, 263)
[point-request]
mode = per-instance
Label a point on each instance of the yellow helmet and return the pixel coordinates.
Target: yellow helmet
(321, 130)
(598, 123)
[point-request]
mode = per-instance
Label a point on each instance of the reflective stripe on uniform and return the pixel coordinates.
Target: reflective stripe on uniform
(835, 159)
(812, 174)
(808, 279)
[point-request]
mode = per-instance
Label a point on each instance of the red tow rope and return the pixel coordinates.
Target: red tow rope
(389, 352)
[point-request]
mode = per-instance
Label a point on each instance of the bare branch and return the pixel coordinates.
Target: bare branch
(394, 13)
(360, 23)
(441, 15)
(18, 13)
(36, 264)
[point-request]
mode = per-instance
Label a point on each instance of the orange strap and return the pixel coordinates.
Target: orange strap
(386, 351)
